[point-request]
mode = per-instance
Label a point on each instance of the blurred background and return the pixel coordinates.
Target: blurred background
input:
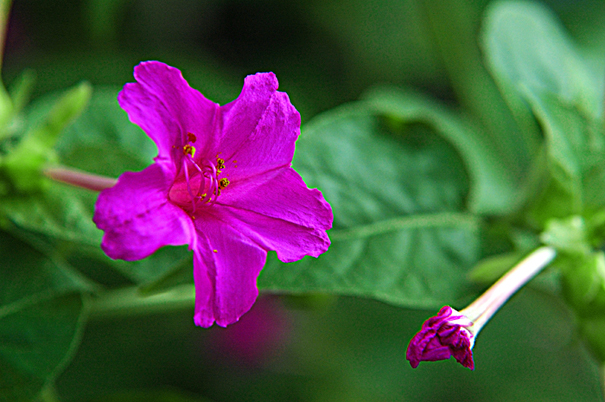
(316, 348)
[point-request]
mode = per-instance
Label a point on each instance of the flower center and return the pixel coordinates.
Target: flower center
(198, 182)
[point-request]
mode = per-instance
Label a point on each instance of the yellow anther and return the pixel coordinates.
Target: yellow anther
(222, 183)
(189, 150)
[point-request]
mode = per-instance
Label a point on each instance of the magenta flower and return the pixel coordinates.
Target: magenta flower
(442, 337)
(221, 183)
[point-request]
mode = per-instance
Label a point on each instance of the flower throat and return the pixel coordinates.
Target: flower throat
(201, 179)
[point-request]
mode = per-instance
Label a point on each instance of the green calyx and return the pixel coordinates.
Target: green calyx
(581, 264)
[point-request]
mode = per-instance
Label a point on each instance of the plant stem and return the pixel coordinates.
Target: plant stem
(80, 179)
(482, 309)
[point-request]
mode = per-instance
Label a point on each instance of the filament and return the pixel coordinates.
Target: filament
(210, 186)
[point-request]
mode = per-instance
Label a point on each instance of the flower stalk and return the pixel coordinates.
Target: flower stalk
(452, 333)
(485, 306)
(79, 179)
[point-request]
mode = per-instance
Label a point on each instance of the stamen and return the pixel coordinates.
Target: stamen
(223, 183)
(189, 150)
(220, 165)
(209, 188)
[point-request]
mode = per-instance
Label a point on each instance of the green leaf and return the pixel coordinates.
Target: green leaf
(21, 89)
(527, 49)
(23, 165)
(401, 233)
(546, 80)
(493, 188)
(575, 148)
(42, 311)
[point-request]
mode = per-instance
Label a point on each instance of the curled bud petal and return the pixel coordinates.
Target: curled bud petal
(442, 337)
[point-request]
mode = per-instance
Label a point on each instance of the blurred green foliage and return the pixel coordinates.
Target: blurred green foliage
(506, 137)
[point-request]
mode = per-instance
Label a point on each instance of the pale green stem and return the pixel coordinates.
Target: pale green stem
(80, 179)
(129, 302)
(482, 309)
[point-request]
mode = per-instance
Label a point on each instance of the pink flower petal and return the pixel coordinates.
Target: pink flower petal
(137, 217)
(225, 267)
(280, 213)
(163, 104)
(259, 129)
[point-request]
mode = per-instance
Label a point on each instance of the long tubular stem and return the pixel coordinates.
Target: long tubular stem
(80, 179)
(482, 309)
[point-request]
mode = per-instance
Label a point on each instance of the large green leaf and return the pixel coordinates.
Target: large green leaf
(527, 49)
(546, 80)
(401, 233)
(493, 187)
(42, 310)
